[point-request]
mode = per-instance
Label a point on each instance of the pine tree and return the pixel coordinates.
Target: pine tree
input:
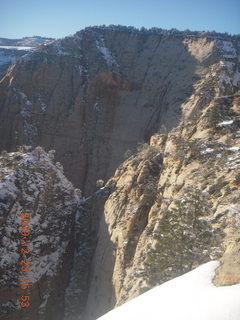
(183, 238)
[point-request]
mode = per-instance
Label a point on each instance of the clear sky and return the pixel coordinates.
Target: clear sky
(59, 18)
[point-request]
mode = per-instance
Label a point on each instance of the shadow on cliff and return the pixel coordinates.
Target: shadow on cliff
(91, 118)
(100, 296)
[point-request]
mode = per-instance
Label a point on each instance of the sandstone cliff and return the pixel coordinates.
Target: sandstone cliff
(96, 94)
(12, 49)
(172, 205)
(176, 203)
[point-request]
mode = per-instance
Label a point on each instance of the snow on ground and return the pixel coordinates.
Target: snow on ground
(9, 54)
(229, 75)
(207, 151)
(16, 48)
(234, 162)
(6, 59)
(191, 296)
(227, 64)
(60, 50)
(107, 55)
(10, 49)
(81, 69)
(227, 49)
(225, 123)
(234, 149)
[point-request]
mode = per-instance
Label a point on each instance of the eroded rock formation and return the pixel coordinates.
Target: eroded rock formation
(176, 203)
(95, 95)
(38, 207)
(172, 205)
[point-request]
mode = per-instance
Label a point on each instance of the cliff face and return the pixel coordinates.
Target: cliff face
(174, 204)
(38, 208)
(12, 49)
(96, 94)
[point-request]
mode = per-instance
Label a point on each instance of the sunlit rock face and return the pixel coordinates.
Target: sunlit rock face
(172, 205)
(12, 49)
(175, 203)
(93, 96)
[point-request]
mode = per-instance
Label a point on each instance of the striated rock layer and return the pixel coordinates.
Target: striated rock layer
(95, 95)
(176, 202)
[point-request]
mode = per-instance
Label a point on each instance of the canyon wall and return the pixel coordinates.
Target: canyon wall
(173, 204)
(37, 212)
(93, 96)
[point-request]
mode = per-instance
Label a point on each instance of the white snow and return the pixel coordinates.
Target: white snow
(230, 75)
(96, 107)
(59, 48)
(5, 59)
(46, 265)
(227, 64)
(234, 149)
(227, 48)
(207, 151)
(234, 162)
(43, 107)
(80, 69)
(107, 55)
(22, 95)
(32, 168)
(191, 296)
(16, 48)
(225, 123)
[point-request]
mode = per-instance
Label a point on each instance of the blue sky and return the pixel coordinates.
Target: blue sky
(59, 18)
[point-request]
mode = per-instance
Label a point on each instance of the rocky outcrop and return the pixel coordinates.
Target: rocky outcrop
(12, 49)
(97, 94)
(38, 207)
(176, 203)
(171, 206)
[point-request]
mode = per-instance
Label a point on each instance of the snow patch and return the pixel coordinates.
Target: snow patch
(59, 49)
(107, 55)
(234, 149)
(16, 48)
(207, 151)
(227, 49)
(6, 59)
(97, 107)
(225, 123)
(81, 69)
(227, 64)
(234, 162)
(190, 296)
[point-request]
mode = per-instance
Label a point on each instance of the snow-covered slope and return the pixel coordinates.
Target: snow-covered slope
(11, 49)
(190, 296)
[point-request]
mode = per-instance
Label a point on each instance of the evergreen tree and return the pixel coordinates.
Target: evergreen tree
(183, 238)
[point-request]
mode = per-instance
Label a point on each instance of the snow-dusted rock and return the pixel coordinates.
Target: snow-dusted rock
(37, 207)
